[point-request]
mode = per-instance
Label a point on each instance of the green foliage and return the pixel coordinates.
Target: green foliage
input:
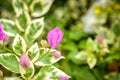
(82, 21)
(24, 32)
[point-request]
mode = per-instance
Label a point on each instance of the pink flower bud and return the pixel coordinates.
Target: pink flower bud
(100, 38)
(57, 54)
(63, 78)
(55, 37)
(24, 61)
(5, 38)
(44, 43)
(1, 32)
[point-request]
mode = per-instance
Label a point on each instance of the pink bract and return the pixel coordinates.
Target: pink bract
(5, 37)
(63, 78)
(55, 37)
(57, 54)
(24, 61)
(1, 32)
(100, 38)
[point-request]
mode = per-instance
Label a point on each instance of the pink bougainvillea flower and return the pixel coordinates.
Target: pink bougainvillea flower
(57, 54)
(55, 37)
(5, 38)
(63, 78)
(100, 38)
(24, 61)
(1, 32)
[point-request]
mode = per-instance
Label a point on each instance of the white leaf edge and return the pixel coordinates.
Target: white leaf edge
(26, 16)
(38, 33)
(34, 46)
(44, 11)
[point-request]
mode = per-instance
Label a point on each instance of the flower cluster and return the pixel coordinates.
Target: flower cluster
(54, 38)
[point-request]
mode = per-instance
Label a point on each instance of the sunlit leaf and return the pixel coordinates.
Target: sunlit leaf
(90, 45)
(91, 61)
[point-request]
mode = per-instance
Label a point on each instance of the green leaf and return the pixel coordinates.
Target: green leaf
(22, 20)
(33, 52)
(78, 58)
(91, 61)
(34, 29)
(68, 46)
(79, 34)
(27, 73)
(19, 45)
(47, 58)
(40, 7)
(19, 6)
(50, 73)
(114, 56)
(90, 45)
(116, 29)
(83, 73)
(10, 62)
(9, 27)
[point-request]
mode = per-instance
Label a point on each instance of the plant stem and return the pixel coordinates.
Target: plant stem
(7, 49)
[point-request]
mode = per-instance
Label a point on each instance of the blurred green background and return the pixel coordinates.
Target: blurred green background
(82, 22)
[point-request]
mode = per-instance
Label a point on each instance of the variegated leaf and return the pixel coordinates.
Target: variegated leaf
(40, 7)
(19, 45)
(91, 61)
(50, 73)
(10, 62)
(22, 20)
(33, 52)
(27, 73)
(9, 27)
(19, 6)
(34, 29)
(47, 57)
